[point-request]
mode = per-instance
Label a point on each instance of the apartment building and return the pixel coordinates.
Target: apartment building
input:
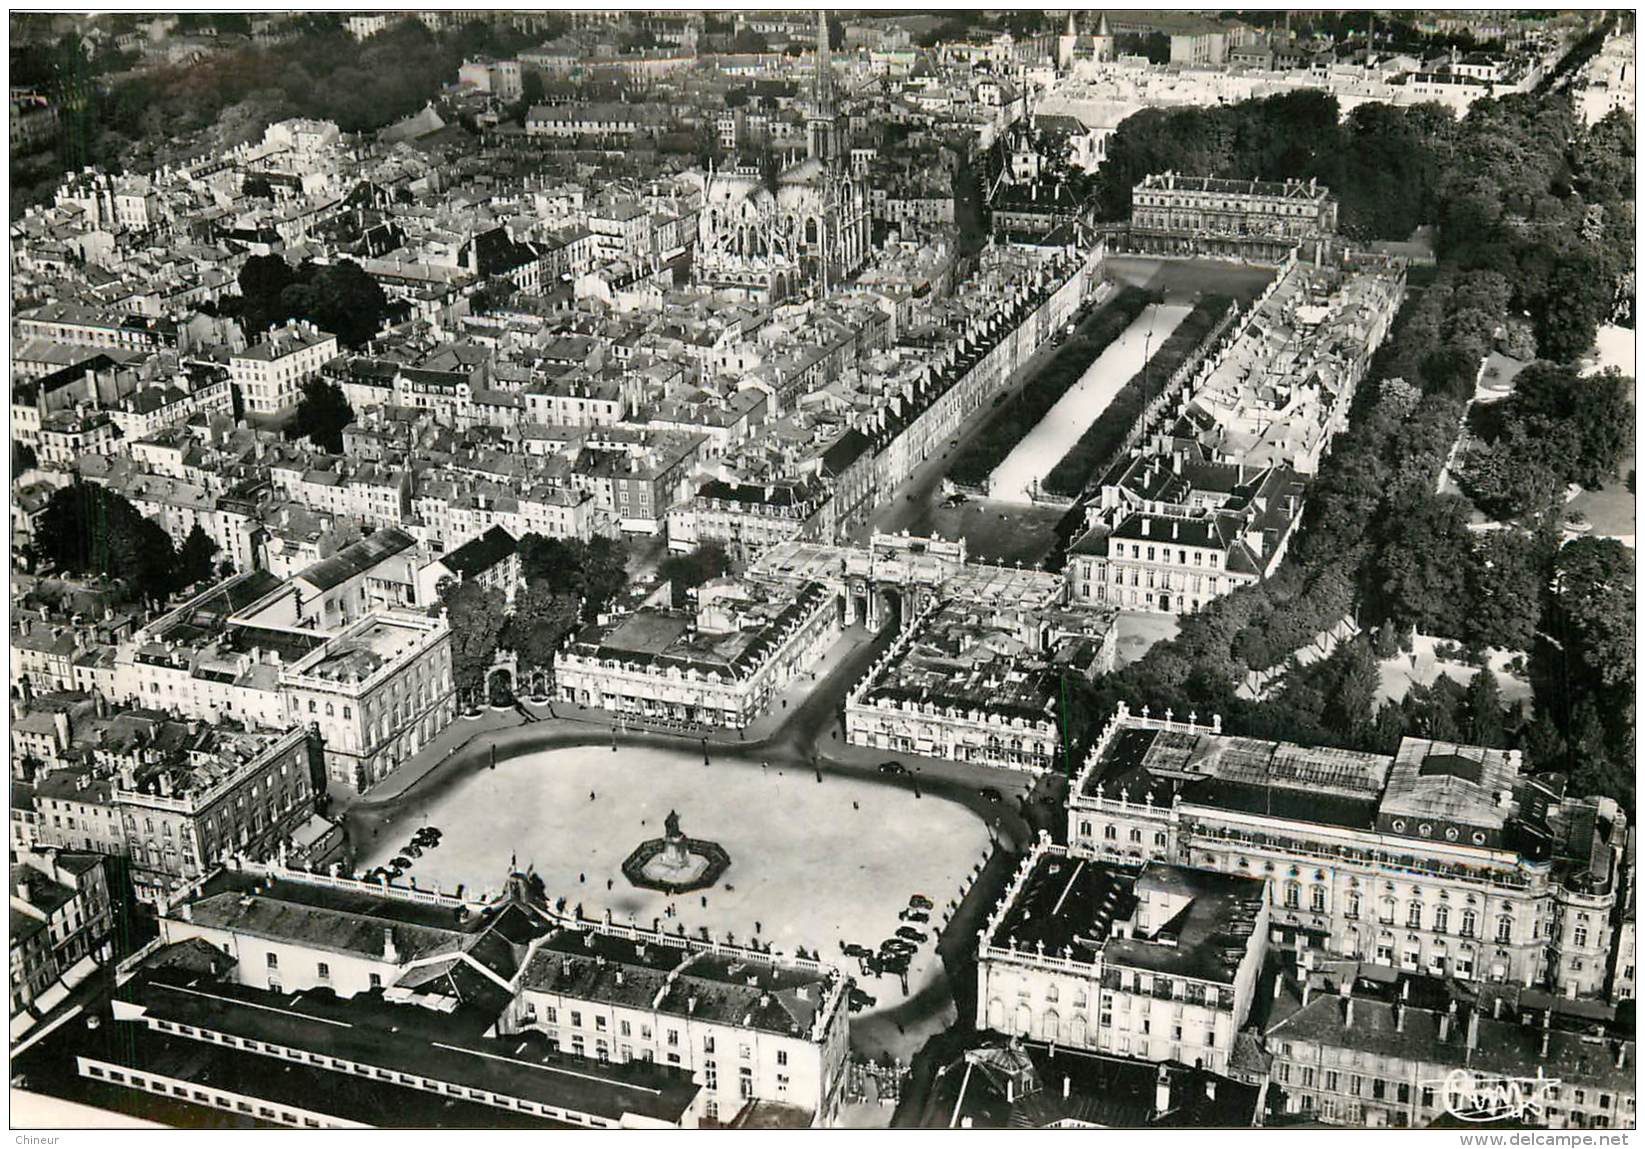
(747, 518)
(270, 374)
(1170, 535)
(622, 1026)
(62, 924)
(970, 683)
(1404, 1052)
(216, 793)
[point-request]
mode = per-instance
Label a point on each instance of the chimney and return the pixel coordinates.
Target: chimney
(1210, 1088)
(1162, 1092)
(1473, 1028)
(1399, 1017)
(22, 891)
(1066, 1084)
(1010, 1090)
(390, 953)
(1145, 526)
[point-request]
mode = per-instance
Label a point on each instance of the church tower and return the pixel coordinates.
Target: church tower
(1102, 44)
(1065, 44)
(821, 143)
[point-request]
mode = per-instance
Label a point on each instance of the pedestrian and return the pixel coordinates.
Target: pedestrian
(705, 901)
(582, 877)
(608, 883)
(591, 795)
(854, 805)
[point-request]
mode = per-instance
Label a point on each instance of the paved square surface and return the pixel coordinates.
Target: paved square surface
(812, 863)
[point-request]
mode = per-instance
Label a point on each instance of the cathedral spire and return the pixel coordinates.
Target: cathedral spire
(823, 82)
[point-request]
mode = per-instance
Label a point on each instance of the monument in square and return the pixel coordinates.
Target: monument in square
(674, 863)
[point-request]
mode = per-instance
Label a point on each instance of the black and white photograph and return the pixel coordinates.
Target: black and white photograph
(823, 569)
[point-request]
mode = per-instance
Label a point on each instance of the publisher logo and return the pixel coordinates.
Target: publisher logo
(1469, 1095)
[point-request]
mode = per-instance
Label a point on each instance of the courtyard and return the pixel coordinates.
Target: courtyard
(812, 864)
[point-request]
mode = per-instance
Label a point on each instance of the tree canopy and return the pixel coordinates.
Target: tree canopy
(89, 529)
(322, 413)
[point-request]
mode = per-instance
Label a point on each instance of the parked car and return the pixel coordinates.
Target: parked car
(921, 902)
(895, 946)
(909, 933)
(991, 794)
(893, 767)
(913, 915)
(853, 950)
(857, 1000)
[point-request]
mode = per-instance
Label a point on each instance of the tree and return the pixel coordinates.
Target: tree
(88, 529)
(194, 560)
(749, 41)
(1350, 710)
(475, 614)
(1594, 598)
(688, 571)
(23, 458)
(604, 575)
(531, 87)
(322, 413)
(262, 279)
(1422, 568)
(543, 615)
(1485, 710)
(344, 300)
(1506, 576)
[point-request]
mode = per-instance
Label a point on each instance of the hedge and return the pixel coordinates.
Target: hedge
(1107, 433)
(1015, 418)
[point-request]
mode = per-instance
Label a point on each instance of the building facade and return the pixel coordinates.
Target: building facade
(1254, 220)
(1441, 858)
(1159, 964)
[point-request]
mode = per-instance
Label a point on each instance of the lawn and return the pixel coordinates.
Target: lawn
(1022, 412)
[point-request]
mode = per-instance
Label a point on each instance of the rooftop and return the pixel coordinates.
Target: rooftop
(1164, 919)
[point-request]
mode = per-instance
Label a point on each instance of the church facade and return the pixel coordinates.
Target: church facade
(805, 234)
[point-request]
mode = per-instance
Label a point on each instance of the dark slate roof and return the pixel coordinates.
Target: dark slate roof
(479, 555)
(357, 557)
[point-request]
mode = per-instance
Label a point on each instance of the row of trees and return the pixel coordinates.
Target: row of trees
(87, 529)
(1022, 412)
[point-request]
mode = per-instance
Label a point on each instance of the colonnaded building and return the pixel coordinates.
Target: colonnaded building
(1440, 858)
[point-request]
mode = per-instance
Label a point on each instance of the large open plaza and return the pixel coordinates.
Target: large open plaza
(812, 864)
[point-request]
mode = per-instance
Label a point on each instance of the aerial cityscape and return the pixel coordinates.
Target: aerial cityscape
(822, 569)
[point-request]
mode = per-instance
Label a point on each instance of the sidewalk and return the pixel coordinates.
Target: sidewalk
(442, 746)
